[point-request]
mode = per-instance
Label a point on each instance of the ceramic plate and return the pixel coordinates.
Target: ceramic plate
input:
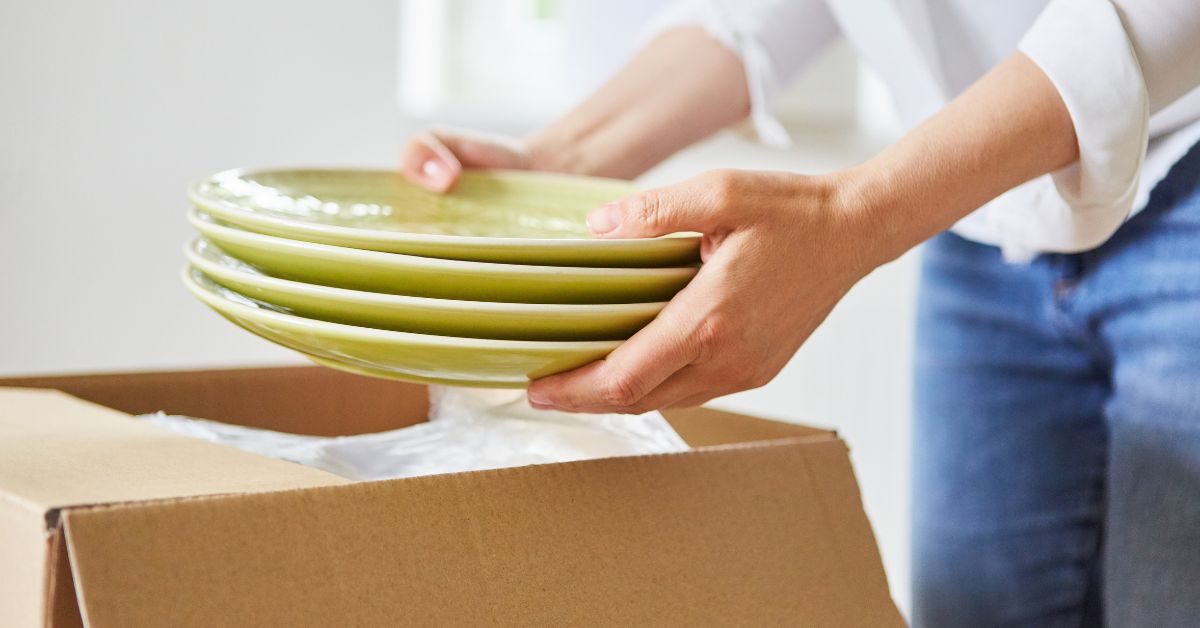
(445, 317)
(394, 273)
(396, 354)
(505, 216)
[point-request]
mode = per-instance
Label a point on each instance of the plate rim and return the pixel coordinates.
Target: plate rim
(202, 221)
(679, 240)
(264, 280)
(388, 336)
(514, 382)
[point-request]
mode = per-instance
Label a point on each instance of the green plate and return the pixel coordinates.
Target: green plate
(396, 354)
(385, 374)
(444, 317)
(506, 216)
(394, 273)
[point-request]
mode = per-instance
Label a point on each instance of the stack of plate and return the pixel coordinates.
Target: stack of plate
(492, 284)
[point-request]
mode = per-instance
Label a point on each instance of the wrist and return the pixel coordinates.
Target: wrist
(862, 197)
(543, 153)
(555, 150)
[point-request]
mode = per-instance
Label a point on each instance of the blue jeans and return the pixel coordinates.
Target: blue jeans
(1056, 440)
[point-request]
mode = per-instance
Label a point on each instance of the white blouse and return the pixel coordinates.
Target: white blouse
(1128, 72)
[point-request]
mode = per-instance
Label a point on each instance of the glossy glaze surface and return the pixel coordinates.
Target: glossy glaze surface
(446, 317)
(399, 355)
(491, 215)
(394, 273)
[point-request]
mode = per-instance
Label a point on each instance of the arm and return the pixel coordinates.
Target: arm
(682, 87)
(1006, 129)
(781, 249)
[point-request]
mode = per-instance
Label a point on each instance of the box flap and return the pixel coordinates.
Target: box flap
(60, 606)
(765, 534)
(23, 563)
(57, 451)
(701, 427)
(301, 399)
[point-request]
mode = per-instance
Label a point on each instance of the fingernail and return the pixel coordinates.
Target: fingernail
(604, 219)
(536, 399)
(540, 406)
(434, 171)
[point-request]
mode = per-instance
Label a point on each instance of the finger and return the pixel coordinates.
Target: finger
(697, 204)
(477, 150)
(684, 383)
(428, 162)
(720, 381)
(628, 374)
(694, 401)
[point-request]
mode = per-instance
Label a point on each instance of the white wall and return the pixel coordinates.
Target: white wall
(109, 109)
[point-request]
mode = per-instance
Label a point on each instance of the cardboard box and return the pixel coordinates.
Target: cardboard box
(106, 521)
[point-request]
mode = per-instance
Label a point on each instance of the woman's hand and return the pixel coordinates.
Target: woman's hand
(780, 250)
(434, 159)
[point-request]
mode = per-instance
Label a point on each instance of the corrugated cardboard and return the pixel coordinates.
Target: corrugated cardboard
(58, 451)
(304, 400)
(760, 524)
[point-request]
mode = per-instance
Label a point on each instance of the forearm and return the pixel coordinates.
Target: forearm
(682, 87)
(1008, 128)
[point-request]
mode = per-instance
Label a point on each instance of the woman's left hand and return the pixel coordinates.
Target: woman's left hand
(780, 250)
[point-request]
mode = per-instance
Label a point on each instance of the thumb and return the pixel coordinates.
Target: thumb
(694, 205)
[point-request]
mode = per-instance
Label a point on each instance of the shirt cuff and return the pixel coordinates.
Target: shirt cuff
(1083, 48)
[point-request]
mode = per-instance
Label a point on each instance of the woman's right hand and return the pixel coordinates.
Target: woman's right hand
(434, 159)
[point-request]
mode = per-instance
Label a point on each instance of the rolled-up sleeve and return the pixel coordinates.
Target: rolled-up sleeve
(1114, 62)
(774, 39)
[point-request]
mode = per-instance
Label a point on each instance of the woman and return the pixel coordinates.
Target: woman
(1057, 419)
